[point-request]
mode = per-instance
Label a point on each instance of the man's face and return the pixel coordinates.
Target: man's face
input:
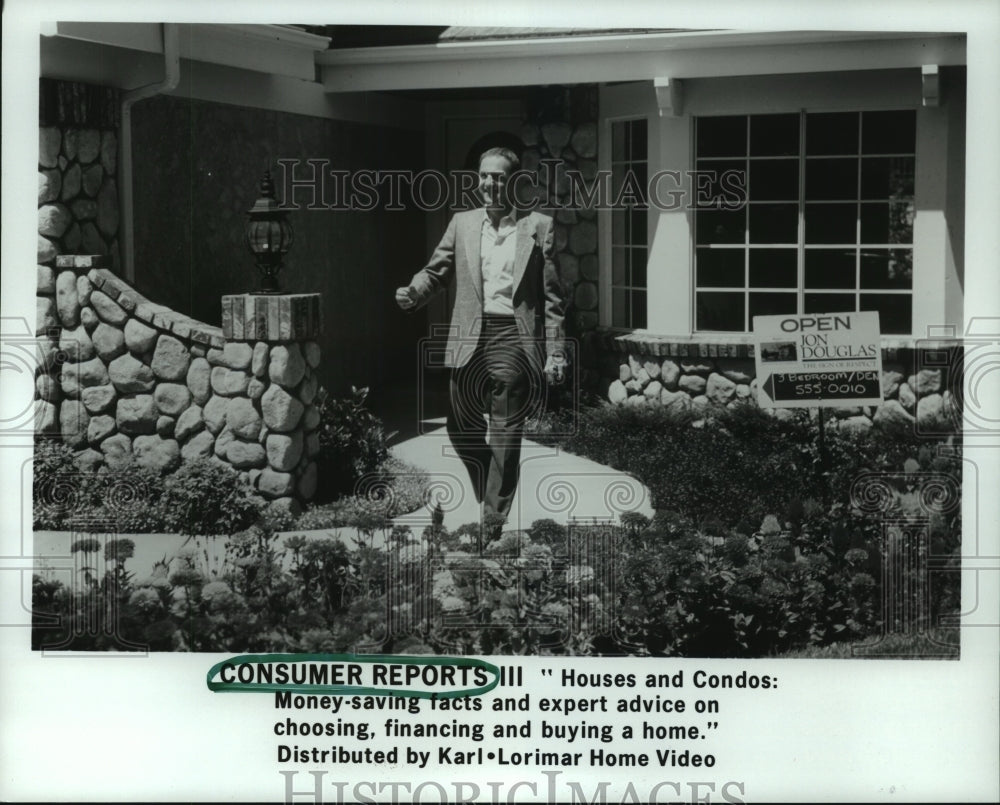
(494, 172)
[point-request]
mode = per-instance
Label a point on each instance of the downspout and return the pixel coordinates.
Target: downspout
(171, 77)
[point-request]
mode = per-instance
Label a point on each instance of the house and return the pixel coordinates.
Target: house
(698, 178)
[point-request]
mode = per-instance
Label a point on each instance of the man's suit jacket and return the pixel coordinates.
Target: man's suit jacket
(539, 306)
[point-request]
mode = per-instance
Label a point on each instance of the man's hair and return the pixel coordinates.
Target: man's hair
(504, 153)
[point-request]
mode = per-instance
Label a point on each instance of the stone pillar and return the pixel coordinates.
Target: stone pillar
(265, 384)
(78, 208)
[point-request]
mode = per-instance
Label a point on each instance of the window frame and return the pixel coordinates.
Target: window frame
(630, 247)
(800, 246)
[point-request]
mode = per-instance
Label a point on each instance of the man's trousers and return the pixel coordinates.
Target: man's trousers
(500, 381)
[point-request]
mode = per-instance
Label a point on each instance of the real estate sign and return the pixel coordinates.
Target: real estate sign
(818, 360)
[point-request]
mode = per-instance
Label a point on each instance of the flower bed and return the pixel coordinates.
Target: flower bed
(757, 549)
(648, 587)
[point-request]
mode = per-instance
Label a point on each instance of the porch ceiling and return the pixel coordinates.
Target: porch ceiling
(602, 56)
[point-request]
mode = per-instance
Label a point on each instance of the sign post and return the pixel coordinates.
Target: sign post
(818, 360)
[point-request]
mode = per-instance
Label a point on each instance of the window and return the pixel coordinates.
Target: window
(628, 223)
(828, 223)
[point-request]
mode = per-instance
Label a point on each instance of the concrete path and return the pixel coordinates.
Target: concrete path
(554, 485)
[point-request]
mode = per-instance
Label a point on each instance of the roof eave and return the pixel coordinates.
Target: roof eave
(629, 57)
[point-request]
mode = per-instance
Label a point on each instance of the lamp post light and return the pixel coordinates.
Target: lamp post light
(269, 236)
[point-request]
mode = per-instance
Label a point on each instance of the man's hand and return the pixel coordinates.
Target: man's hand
(407, 297)
(555, 369)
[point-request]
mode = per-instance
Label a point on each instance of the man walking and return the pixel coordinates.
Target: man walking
(506, 337)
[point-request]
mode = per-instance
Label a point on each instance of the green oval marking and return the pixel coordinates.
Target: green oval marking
(344, 690)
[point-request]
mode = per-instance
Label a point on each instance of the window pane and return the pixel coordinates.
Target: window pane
(774, 179)
(638, 309)
(882, 268)
(721, 226)
(628, 187)
(617, 180)
(895, 311)
(773, 223)
(638, 267)
(831, 223)
(774, 135)
(901, 222)
(618, 257)
(638, 139)
(638, 227)
(719, 268)
(618, 308)
(830, 268)
(772, 304)
(874, 223)
(709, 186)
(719, 310)
(829, 303)
(773, 268)
(886, 223)
(618, 234)
(722, 136)
(639, 171)
(832, 133)
(618, 140)
(831, 179)
(889, 132)
(887, 177)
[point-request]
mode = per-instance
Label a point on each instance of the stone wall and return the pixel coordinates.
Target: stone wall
(561, 125)
(124, 380)
(78, 209)
(918, 385)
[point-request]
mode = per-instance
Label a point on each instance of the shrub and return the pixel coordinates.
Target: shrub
(742, 464)
(408, 485)
(395, 488)
(118, 550)
(548, 532)
(352, 442)
(131, 498)
(206, 497)
(276, 518)
(688, 596)
(127, 500)
(58, 486)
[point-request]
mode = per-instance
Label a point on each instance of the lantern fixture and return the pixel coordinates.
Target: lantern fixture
(269, 236)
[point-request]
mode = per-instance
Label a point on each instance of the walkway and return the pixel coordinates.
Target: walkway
(554, 485)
